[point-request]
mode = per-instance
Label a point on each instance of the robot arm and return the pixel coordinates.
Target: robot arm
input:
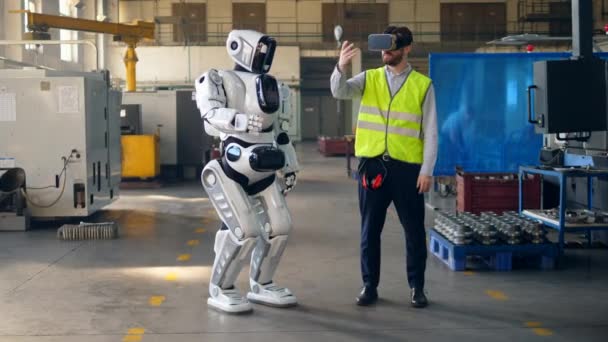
(291, 162)
(283, 142)
(211, 102)
(291, 159)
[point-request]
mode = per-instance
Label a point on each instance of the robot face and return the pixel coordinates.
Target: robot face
(251, 50)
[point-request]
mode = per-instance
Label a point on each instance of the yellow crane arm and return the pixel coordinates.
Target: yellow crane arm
(42, 22)
(129, 34)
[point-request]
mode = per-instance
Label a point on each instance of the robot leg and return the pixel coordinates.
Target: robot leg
(233, 246)
(268, 252)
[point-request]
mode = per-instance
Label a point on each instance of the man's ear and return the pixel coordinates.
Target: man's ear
(407, 49)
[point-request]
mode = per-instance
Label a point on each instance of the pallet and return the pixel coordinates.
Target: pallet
(499, 257)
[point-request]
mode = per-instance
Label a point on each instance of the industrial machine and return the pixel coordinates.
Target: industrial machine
(568, 105)
(63, 130)
(570, 95)
(13, 207)
(184, 146)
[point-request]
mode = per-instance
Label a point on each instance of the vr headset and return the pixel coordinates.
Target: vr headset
(385, 41)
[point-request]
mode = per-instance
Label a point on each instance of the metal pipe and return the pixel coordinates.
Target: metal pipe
(189, 78)
(54, 42)
(582, 29)
(100, 41)
(130, 60)
(22, 64)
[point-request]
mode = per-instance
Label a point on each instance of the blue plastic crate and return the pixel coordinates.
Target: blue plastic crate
(499, 257)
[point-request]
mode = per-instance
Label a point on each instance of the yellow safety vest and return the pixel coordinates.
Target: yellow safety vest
(391, 125)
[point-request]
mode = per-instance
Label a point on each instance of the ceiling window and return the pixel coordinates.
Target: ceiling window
(32, 6)
(69, 52)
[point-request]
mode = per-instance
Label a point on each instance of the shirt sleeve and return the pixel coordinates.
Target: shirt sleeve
(429, 125)
(345, 89)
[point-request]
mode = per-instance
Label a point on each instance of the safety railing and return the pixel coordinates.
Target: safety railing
(312, 34)
(543, 9)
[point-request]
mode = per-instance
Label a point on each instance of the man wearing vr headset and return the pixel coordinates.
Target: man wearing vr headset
(396, 141)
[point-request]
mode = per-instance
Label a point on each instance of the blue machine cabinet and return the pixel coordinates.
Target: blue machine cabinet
(559, 223)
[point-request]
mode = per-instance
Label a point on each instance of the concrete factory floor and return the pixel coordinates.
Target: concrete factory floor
(151, 284)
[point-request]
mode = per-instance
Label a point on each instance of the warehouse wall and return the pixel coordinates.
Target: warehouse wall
(305, 15)
(422, 16)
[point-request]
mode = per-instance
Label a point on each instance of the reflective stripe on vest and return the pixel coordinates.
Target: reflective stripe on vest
(391, 124)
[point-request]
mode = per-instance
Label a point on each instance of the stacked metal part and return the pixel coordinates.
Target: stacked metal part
(453, 228)
(483, 230)
(490, 228)
(533, 231)
(509, 229)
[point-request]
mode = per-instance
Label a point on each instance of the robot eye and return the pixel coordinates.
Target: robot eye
(234, 45)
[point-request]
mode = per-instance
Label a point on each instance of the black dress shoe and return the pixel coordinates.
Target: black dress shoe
(419, 299)
(367, 296)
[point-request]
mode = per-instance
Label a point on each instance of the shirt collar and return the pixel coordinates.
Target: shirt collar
(405, 71)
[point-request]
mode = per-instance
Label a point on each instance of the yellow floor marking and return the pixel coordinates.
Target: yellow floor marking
(184, 257)
(200, 230)
(132, 338)
(193, 243)
(498, 295)
(156, 300)
(468, 273)
(533, 324)
(134, 335)
(542, 332)
(172, 276)
(136, 331)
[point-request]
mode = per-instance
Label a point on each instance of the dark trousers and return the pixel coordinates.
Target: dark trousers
(399, 188)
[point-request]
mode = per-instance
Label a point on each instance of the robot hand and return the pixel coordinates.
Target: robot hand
(254, 123)
(290, 182)
(251, 123)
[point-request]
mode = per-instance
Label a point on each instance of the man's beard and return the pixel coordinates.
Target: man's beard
(394, 60)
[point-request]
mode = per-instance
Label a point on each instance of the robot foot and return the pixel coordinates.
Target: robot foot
(229, 301)
(271, 295)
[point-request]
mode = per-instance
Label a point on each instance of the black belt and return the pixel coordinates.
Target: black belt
(386, 158)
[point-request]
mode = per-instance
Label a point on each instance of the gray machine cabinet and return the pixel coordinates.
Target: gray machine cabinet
(46, 116)
(193, 145)
(130, 119)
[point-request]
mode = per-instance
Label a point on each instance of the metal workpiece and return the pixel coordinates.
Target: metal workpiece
(533, 231)
(509, 231)
(489, 228)
(454, 228)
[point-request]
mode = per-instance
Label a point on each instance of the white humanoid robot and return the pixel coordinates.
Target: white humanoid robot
(242, 107)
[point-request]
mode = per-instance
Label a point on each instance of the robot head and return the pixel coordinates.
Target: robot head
(251, 50)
